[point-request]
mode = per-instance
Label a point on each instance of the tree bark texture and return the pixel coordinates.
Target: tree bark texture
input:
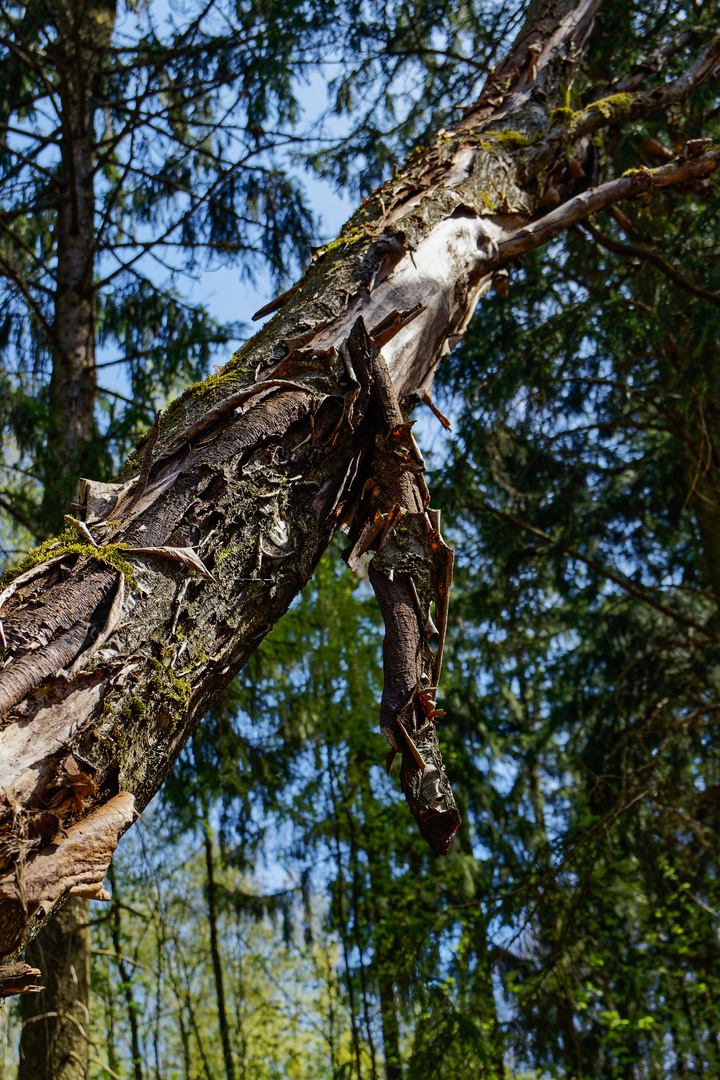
(118, 642)
(19, 979)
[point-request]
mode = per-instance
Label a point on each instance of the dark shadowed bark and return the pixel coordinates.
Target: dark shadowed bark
(119, 641)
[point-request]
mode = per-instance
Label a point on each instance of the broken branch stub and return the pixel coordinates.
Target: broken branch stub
(411, 574)
(19, 979)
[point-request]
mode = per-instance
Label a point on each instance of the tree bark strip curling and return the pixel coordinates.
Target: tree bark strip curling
(120, 637)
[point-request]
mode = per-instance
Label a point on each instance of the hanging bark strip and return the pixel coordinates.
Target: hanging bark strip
(120, 635)
(411, 574)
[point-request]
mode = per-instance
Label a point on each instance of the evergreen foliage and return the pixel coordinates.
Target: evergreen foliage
(582, 478)
(164, 125)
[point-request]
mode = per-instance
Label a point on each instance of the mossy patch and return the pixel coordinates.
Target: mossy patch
(133, 708)
(347, 236)
(610, 106)
(183, 629)
(607, 107)
(564, 114)
(67, 543)
(165, 683)
(511, 139)
(220, 381)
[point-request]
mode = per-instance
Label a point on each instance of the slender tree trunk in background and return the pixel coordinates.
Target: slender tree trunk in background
(548, 922)
(54, 1043)
(114, 654)
(185, 1006)
(384, 943)
(83, 29)
(211, 894)
(356, 915)
(389, 1018)
(342, 922)
(185, 1041)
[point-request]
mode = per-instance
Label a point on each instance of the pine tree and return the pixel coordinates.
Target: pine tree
(132, 152)
(588, 659)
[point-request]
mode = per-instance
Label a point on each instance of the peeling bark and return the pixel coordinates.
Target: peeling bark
(411, 575)
(73, 864)
(116, 646)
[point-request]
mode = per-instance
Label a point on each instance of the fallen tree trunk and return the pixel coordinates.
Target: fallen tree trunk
(119, 635)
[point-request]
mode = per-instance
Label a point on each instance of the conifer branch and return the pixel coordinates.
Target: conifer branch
(636, 252)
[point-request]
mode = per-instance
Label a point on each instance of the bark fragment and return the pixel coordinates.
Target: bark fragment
(74, 864)
(19, 979)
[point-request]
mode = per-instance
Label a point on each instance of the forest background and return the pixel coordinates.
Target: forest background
(276, 914)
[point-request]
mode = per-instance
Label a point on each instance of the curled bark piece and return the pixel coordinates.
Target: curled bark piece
(427, 400)
(184, 555)
(24, 579)
(98, 501)
(81, 529)
(275, 304)
(19, 979)
(139, 490)
(74, 864)
(393, 323)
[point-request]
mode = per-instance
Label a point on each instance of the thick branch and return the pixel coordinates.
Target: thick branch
(629, 186)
